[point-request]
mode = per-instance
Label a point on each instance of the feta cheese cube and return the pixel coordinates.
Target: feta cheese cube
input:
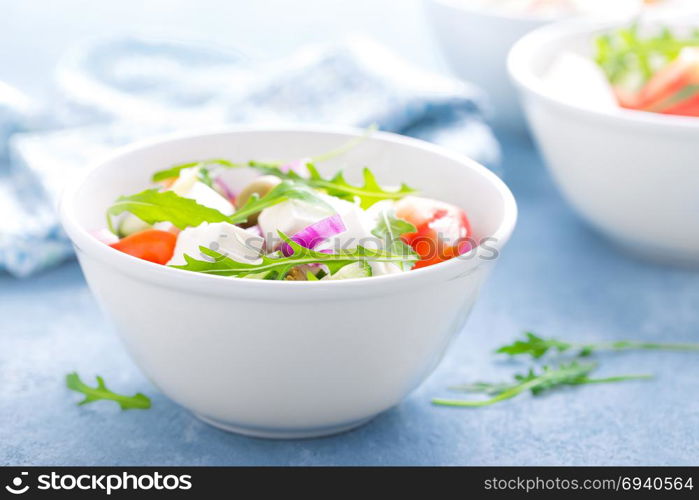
(188, 185)
(357, 222)
(232, 241)
(579, 79)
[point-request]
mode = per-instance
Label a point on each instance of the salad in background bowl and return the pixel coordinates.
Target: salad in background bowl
(631, 173)
(266, 355)
(656, 71)
(476, 36)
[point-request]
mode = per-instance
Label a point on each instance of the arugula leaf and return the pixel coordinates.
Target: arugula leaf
(205, 165)
(153, 206)
(536, 346)
(392, 227)
(389, 228)
(138, 401)
(221, 265)
(283, 191)
(548, 378)
(368, 193)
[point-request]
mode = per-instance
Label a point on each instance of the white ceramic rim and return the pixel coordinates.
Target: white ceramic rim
(499, 14)
(527, 49)
(211, 284)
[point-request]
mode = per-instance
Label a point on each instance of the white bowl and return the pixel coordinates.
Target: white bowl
(475, 42)
(634, 175)
(288, 359)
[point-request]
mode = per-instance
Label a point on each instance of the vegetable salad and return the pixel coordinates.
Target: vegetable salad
(654, 71)
(288, 223)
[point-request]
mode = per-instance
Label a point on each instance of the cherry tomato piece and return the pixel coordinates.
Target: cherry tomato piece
(442, 230)
(152, 245)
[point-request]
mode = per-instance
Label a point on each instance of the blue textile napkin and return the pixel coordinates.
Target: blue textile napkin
(119, 91)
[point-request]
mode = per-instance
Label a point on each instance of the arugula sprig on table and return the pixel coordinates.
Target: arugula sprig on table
(535, 382)
(278, 266)
(153, 205)
(573, 373)
(136, 402)
(536, 347)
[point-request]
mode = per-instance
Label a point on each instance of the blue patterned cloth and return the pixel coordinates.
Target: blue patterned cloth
(119, 91)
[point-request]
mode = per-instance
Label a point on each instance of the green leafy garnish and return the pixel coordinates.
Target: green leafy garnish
(283, 191)
(536, 346)
(631, 59)
(138, 401)
(204, 166)
(548, 378)
(368, 193)
(153, 206)
(279, 265)
(388, 229)
(533, 345)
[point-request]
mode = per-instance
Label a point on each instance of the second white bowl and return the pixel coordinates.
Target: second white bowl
(633, 175)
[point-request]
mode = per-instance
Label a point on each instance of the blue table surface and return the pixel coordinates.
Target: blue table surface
(556, 277)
